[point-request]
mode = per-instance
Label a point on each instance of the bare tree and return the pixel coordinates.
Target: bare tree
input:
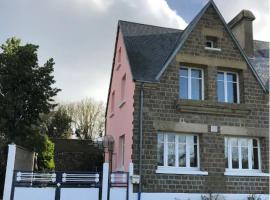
(88, 118)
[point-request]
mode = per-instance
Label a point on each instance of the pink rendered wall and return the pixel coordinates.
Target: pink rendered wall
(119, 122)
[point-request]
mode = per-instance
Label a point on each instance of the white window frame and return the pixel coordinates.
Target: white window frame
(226, 85)
(250, 153)
(176, 169)
(190, 81)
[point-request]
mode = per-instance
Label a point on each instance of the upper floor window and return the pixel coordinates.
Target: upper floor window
(112, 101)
(119, 56)
(228, 87)
(191, 83)
(242, 154)
(177, 150)
(123, 87)
(211, 42)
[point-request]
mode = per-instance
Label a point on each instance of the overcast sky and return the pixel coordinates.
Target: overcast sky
(80, 34)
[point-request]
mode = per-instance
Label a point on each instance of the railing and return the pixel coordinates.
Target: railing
(119, 179)
(87, 179)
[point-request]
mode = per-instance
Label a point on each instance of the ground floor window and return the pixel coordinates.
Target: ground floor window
(242, 153)
(177, 150)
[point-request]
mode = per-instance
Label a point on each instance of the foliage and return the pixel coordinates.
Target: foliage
(87, 118)
(211, 196)
(58, 124)
(26, 90)
(253, 197)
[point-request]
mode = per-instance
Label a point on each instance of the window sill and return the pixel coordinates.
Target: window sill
(212, 49)
(111, 115)
(176, 170)
(122, 103)
(245, 173)
(215, 108)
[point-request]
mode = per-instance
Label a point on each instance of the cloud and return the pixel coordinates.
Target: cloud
(261, 10)
(80, 36)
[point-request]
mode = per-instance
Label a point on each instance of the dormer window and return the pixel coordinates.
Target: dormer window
(211, 43)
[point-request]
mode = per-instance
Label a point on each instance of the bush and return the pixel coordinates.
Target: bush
(45, 154)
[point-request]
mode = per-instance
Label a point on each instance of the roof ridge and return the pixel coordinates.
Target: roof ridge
(149, 25)
(261, 41)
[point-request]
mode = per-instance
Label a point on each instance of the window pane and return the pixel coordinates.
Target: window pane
(220, 91)
(232, 92)
(244, 152)
(193, 154)
(235, 157)
(171, 150)
(183, 88)
(255, 143)
(226, 152)
(160, 150)
(255, 155)
(231, 77)
(196, 73)
(182, 155)
(184, 72)
(196, 89)
(220, 76)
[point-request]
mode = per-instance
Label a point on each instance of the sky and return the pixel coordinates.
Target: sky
(80, 34)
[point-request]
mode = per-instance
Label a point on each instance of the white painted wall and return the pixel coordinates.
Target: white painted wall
(9, 171)
(79, 193)
(118, 193)
(27, 193)
(192, 196)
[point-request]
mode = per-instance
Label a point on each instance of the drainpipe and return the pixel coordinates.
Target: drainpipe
(141, 138)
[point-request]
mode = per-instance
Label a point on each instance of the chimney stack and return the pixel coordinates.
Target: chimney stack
(241, 26)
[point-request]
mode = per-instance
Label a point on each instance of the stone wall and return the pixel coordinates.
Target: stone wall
(77, 155)
(161, 105)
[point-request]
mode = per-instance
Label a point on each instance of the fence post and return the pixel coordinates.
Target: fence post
(105, 181)
(130, 185)
(9, 171)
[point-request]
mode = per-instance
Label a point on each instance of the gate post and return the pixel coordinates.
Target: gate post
(105, 181)
(9, 171)
(130, 185)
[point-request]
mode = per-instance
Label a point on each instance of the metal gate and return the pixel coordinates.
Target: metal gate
(118, 186)
(56, 185)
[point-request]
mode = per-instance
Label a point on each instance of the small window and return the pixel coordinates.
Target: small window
(211, 42)
(177, 150)
(122, 150)
(228, 87)
(112, 101)
(123, 88)
(242, 153)
(191, 83)
(119, 55)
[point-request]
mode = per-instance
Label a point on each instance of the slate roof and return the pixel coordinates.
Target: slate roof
(260, 61)
(148, 47)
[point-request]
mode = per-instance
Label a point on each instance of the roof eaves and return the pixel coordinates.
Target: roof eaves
(183, 38)
(241, 49)
(189, 29)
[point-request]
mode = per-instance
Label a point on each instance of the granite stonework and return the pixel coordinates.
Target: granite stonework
(163, 111)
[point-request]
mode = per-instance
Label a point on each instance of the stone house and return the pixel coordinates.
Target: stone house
(190, 108)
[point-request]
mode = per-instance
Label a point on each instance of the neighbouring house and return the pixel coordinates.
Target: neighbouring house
(190, 108)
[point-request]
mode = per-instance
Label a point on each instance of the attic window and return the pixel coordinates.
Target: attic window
(211, 43)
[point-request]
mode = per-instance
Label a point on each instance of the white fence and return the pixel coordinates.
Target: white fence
(23, 185)
(29, 185)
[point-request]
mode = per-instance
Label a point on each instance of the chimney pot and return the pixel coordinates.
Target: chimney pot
(242, 28)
